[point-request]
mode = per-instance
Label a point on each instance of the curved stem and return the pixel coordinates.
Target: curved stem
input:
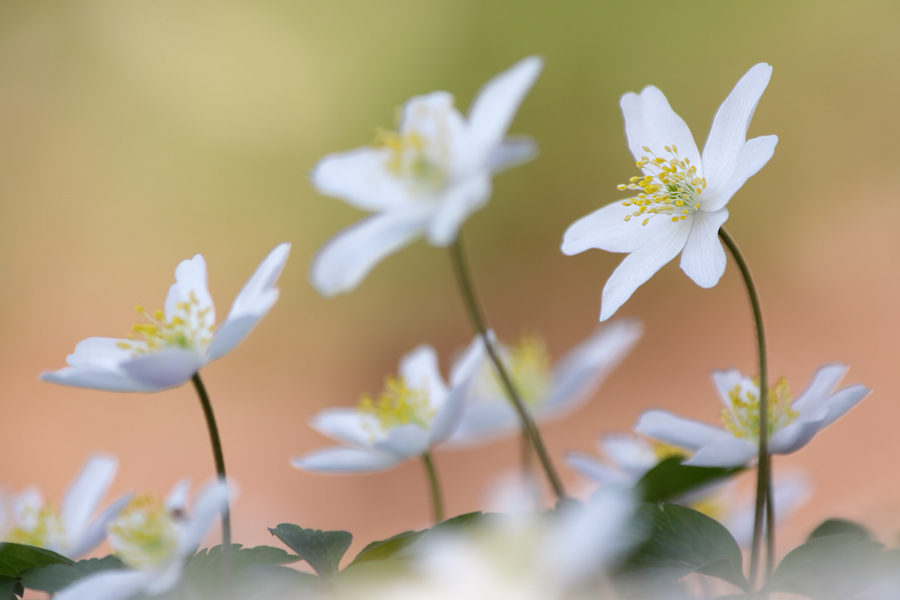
(529, 428)
(764, 467)
(437, 501)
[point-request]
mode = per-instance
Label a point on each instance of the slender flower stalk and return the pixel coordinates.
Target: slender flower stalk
(216, 443)
(436, 497)
(763, 479)
(529, 428)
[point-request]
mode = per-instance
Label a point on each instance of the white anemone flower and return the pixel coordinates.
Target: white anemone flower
(681, 198)
(415, 412)
(628, 458)
(173, 344)
(154, 541)
(548, 391)
(70, 531)
(792, 424)
(426, 179)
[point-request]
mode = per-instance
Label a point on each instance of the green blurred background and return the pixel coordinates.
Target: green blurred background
(136, 134)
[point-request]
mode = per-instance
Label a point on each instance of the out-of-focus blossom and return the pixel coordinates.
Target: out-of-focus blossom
(681, 198)
(792, 423)
(426, 179)
(174, 343)
(154, 541)
(548, 391)
(416, 411)
(70, 531)
(628, 456)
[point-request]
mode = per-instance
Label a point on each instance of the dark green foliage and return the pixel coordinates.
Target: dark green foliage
(323, 550)
(53, 578)
(15, 559)
(670, 480)
(840, 526)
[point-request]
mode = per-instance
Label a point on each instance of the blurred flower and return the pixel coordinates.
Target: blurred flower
(548, 391)
(628, 456)
(426, 179)
(174, 344)
(681, 198)
(69, 531)
(415, 412)
(792, 424)
(153, 541)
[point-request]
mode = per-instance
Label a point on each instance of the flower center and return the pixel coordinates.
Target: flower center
(398, 405)
(528, 364)
(742, 419)
(187, 329)
(664, 451)
(38, 526)
(145, 534)
(670, 187)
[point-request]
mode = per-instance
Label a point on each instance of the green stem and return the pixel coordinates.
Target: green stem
(529, 428)
(437, 502)
(763, 469)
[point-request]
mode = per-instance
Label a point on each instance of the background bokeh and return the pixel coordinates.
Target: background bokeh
(136, 134)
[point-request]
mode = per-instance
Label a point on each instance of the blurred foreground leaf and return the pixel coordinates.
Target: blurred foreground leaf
(670, 479)
(840, 526)
(55, 577)
(204, 569)
(15, 559)
(323, 550)
(9, 587)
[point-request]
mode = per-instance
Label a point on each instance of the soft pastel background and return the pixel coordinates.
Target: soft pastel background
(136, 134)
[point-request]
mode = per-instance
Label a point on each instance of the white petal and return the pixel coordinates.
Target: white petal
(678, 431)
(580, 372)
(822, 385)
(470, 363)
(607, 229)
(340, 459)
(483, 422)
(420, 370)
(361, 178)
(842, 401)
(405, 441)
(211, 501)
(794, 436)
(345, 425)
(344, 261)
(252, 303)
(96, 531)
(496, 104)
(85, 493)
(595, 470)
(651, 122)
(703, 258)
(732, 452)
(640, 265)
(170, 367)
(190, 287)
(632, 453)
(176, 500)
(456, 205)
(727, 381)
(108, 585)
(729, 128)
(165, 579)
(511, 152)
(106, 353)
(752, 157)
(96, 378)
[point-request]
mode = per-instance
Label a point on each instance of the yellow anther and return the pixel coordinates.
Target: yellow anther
(398, 405)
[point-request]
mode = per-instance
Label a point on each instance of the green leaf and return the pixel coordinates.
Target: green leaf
(385, 549)
(833, 567)
(18, 558)
(53, 578)
(9, 587)
(670, 479)
(204, 570)
(321, 549)
(679, 541)
(840, 526)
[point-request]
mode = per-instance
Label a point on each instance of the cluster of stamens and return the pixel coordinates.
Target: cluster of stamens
(528, 364)
(145, 535)
(742, 419)
(419, 159)
(671, 187)
(37, 526)
(398, 405)
(186, 329)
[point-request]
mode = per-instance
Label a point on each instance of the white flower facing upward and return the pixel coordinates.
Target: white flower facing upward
(549, 391)
(681, 198)
(415, 412)
(173, 344)
(426, 179)
(792, 424)
(70, 531)
(154, 541)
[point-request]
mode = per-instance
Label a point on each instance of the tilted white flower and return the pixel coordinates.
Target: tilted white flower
(173, 344)
(416, 411)
(792, 424)
(70, 531)
(426, 179)
(153, 541)
(628, 458)
(548, 391)
(682, 196)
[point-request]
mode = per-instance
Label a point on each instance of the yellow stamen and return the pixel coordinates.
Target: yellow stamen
(672, 184)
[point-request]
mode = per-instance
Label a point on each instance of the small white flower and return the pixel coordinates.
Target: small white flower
(173, 344)
(681, 199)
(69, 531)
(416, 411)
(792, 424)
(548, 391)
(629, 457)
(153, 541)
(424, 180)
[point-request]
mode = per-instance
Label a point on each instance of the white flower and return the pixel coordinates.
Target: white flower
(549, 392)
(681, 199)
(174, 344)
(153, 541)
(69, 531)
(424, 180)
(416, 411)
(629, 457)
(792, 424)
